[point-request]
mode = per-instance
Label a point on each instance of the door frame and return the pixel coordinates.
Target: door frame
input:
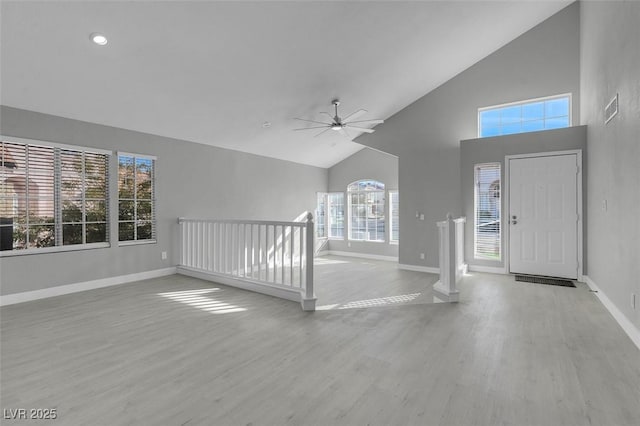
(507, 206)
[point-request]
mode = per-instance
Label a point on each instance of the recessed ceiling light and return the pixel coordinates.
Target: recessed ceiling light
(98, 38)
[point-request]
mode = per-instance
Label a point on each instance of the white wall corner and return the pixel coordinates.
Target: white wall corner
(27, 296)
(624, 322)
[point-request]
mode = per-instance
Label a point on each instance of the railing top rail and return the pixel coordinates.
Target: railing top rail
(243, 222)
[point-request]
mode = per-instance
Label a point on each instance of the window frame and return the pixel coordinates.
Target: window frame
(476, 255)
(153, 220)
(57, 195)
(391, 194)
(367, 203)
(324, 223)
(569, 96)
(329, 216)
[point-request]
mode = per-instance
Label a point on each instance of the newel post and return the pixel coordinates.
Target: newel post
(308, 297)
(445, 289)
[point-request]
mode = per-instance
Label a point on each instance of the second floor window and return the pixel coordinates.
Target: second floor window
(335, 217)
(366, 210)
(553, 112)
(136, 198)
(52, 196)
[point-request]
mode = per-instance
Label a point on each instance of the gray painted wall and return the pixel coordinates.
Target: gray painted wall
(365, 164)
(493, 150)
(193, 180)
(426, 135)
(610, 64)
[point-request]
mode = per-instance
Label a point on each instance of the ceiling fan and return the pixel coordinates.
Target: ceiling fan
(339, 124)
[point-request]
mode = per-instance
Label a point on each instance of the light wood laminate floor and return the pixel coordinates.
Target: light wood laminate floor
(180, 351)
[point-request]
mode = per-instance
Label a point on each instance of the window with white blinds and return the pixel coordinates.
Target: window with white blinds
(394, 216)
(52, 196)
(487, 232)
(136, 198)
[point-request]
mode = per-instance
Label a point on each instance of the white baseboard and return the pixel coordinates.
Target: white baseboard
(442, 293)
(245, 284)
(488, 269)
(27, 296)
(417, 268)
(628, 327)
(363, 255)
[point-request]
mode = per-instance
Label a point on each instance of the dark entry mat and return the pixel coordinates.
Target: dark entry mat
(544, 280)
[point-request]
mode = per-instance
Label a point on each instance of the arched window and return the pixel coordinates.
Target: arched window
(366, 210)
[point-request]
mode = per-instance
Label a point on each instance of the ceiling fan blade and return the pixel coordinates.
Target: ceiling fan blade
(322, 132)
(372, 121)
(312, 121)
(354, 115)
(314, 127)
(328, 115)
(360, 129)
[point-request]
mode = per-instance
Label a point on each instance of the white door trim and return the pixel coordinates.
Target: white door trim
(505, 218)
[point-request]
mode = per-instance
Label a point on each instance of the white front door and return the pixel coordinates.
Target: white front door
(543, 215)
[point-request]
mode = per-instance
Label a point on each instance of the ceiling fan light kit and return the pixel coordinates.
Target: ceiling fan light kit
(341, 124)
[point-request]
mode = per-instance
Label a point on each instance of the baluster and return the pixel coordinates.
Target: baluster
(282, 259)
(291, 255)
(252, 251)
(300, 266)
(189, 239)
(259, 251)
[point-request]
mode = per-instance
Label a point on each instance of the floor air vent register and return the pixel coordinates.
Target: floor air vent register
(545, 280)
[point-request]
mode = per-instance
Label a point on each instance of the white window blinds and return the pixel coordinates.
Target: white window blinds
(487, 230)
(52, 196)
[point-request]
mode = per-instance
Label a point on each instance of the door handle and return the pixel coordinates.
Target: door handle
(514, 217)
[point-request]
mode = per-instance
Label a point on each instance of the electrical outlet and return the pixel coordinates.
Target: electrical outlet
(421, 256)
(348, 244)
(421, 216)
(164, 255)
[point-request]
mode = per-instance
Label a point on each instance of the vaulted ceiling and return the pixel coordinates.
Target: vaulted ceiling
(214, 72)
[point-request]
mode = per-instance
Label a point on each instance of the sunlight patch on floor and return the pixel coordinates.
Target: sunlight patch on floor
(369, 303)
(199, 299)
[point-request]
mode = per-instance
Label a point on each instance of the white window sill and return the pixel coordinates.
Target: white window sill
(394, 243)
(135, 243)
(57, 249)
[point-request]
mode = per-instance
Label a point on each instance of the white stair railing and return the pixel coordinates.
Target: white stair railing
(270, 257)
(452, 264)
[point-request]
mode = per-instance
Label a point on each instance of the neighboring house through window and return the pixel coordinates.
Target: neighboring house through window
(136, 198)
(366, 210)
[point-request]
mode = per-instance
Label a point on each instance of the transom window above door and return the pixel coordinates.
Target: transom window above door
(532, 115)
